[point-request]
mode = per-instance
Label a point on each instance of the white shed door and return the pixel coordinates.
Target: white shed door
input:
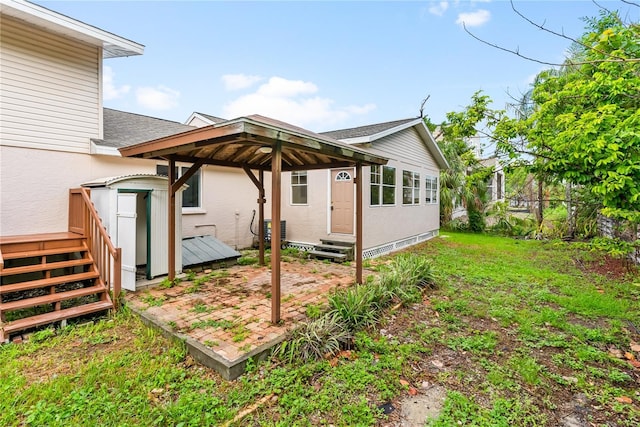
(127, 238)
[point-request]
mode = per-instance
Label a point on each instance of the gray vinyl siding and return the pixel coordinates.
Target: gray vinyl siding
(405, 146)
(50, 89)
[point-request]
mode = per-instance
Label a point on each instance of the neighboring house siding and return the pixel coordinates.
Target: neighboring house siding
(49, 88)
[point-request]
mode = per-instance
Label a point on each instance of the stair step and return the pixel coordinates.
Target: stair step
(54, 316)
(322, 254)
(52, 298)
(337, 243)
(41, 283)
(331, 248)
(44, 267)
(43, 252)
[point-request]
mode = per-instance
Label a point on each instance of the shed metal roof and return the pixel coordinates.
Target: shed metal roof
(204, 250)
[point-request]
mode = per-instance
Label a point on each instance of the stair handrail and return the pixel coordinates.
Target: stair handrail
(84, 218)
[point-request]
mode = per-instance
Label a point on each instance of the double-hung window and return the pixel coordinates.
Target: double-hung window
(431, 190)
(299, 188)
(190, 196)
(410, 188)
(383, 185)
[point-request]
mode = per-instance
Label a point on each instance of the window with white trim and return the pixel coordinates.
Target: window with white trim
(299, 188)
(431, 189)
(190, 196)
(410, 188)
(383, 185)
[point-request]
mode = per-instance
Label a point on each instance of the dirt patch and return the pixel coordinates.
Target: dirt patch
(609, 267)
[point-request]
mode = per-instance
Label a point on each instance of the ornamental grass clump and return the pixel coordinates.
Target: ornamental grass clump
(358, 307)
(315, 339)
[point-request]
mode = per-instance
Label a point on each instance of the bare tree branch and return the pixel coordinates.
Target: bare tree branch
(553, 64)
(568, 62)
(630, 3)
(424, 101)
(562, 34)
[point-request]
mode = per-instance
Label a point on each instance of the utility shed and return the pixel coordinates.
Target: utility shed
(133, 209)
(201, 250)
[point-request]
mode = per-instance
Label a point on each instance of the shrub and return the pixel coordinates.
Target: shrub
(318, 338)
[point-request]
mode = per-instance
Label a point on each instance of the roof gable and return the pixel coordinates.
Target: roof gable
(366, 131)
(371, 133)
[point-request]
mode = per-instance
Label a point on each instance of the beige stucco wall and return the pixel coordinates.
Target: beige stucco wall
(34, 187)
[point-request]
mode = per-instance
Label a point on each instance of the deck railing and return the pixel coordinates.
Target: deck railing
(84, 219)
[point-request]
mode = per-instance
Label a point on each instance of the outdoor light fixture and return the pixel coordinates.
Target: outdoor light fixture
(265, 150)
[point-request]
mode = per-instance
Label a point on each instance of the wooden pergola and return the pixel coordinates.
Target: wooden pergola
(256, 143)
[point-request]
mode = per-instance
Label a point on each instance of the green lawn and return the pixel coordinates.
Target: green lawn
(517, 332)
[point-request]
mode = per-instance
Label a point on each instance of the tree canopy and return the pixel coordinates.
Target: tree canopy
(583, 126)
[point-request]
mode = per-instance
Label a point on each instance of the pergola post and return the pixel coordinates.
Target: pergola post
(276, 172)
(358, 249)
(172, 219)
(261, 201)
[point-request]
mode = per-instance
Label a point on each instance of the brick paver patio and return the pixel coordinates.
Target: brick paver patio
(230, 313)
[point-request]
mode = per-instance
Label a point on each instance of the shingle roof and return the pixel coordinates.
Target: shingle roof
(122, 129)
(214, 119)
(365, 130)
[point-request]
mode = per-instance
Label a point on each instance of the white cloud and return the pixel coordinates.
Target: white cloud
(292, 101)
(109, 89)
(474, 19)
(157, 98)
(239, 81)
(439, 8)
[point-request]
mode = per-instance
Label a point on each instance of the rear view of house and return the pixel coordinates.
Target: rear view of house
(401, 205)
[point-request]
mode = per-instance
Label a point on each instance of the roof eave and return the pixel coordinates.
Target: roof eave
(113, 46)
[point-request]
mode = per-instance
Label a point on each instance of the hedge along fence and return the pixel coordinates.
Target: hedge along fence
(359, 307)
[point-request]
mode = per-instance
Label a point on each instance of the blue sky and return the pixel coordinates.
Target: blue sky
(325, 65)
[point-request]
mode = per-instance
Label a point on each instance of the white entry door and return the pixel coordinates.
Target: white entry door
(127, 238)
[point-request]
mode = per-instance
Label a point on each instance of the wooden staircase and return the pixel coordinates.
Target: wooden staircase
(47, 278)
(334, 250)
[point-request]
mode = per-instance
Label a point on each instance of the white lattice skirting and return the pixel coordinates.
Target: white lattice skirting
(377, 251)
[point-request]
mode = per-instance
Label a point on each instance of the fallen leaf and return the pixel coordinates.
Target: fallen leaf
(413, 391)
(600, 291)
(629, 356)
(616, 353)
(157, 390)
(404, 383)
(624, 399)
(635, 363)
(333, 362)
(635, 347)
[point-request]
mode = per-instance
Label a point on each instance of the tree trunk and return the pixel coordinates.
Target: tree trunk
(540, 203)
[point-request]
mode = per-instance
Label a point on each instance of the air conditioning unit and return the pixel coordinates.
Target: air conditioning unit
(267, 230)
